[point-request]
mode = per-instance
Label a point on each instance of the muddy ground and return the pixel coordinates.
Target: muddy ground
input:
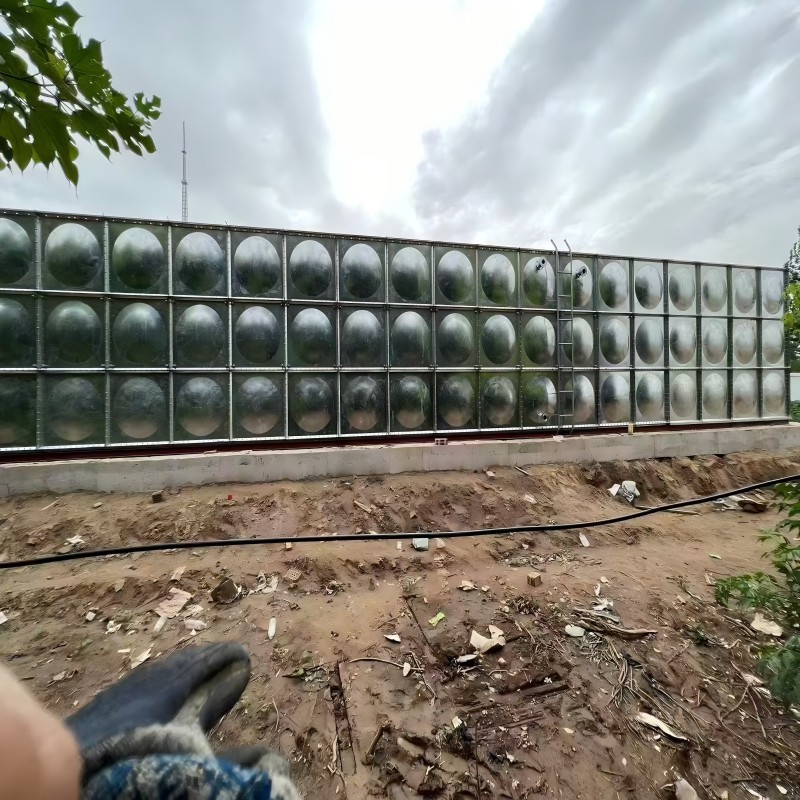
(546, 714)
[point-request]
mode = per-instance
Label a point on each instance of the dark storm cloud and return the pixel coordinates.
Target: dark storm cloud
(664, 128)
(240, 74)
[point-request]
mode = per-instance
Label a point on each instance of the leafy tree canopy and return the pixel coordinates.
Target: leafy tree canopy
(55, 88)
(791, 319)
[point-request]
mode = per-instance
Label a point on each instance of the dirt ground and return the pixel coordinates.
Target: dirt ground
(546, 714)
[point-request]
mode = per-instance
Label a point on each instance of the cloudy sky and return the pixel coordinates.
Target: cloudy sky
(647, 127)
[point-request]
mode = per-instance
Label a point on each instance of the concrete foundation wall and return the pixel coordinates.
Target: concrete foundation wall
(149, 473)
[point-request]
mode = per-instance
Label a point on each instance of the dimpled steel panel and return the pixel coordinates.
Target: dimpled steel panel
(127, 333)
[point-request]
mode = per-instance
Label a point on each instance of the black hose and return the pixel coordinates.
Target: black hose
(360, 537)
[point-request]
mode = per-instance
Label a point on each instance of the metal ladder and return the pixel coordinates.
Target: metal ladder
(565, 328)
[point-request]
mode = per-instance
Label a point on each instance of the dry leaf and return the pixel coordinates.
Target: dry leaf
(656, 723)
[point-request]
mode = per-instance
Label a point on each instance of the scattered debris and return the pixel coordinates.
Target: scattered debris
(432, 784)
(289, 545)
(529, 498)
(264, 586)
(534, 579)
(420, 544)
(227, 591)
(558, 438)
(523, 471)
(657, 724)
(293, 575)
(333, 587)
(90, 615)
(482, 644)
(113, 627)
(157, 497)
(496, 633)
(574, 630)
(625, 491)
(172, 605)
(761, 624)
(723, 504)
(714, 555)
(489, 473)
(434, 621)
(685, 791)
(160, 622)
(74, 541)
(399, 545)
(97, 505)
(604, 622)
(500, 720)
(142, 657)
(365, 508)
(3, 618)
(750, 505)
(440, 441)
(308, 671)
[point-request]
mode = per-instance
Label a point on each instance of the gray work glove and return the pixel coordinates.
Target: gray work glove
(148, 731)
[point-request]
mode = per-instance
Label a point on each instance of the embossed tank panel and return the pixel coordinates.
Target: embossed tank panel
(120, 333)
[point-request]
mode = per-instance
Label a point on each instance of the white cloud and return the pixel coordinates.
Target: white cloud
(389, 71)
(667, 129)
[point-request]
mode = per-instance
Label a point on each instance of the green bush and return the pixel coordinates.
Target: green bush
(776, 594)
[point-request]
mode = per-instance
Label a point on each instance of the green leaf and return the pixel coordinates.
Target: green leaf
(54, 87)
(43, 145)
(70, 169)
(23, 153)
(69, 14)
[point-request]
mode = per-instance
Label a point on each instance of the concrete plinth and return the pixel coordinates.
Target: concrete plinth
(149, 473)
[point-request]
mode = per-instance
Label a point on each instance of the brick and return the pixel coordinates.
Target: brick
(534, 579)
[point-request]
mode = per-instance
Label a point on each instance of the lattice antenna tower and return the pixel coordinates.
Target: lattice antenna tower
(184, 183)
